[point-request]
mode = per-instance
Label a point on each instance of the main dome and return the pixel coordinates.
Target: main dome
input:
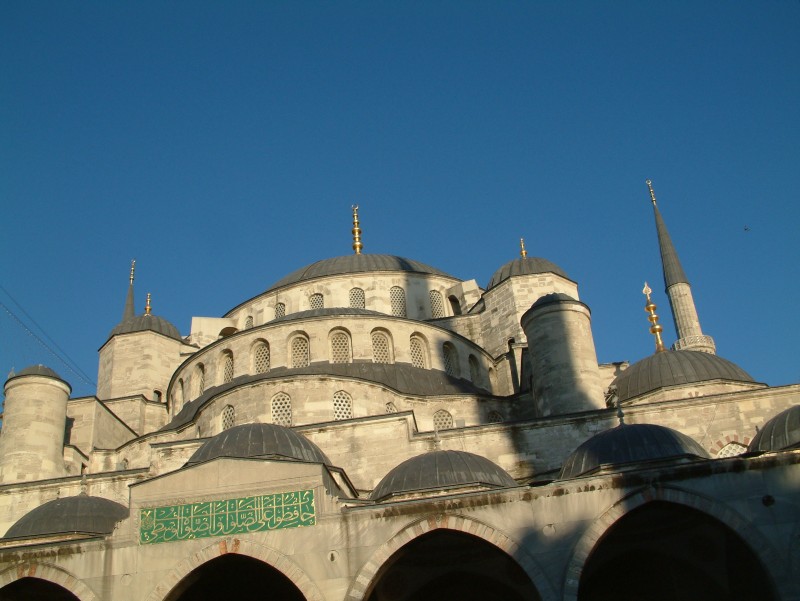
(356, 264)
(81, 514)
(524, 266)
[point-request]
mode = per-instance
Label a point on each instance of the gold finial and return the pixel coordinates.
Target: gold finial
(133, 268)
(522, 252)
(147, 307)
(655, 329)
(652, 192)
(357, 246)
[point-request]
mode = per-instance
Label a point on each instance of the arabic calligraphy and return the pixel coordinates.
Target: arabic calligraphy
(226, 516)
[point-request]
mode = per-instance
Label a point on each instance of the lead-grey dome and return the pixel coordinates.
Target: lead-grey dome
(524, 266)
(143, 323)
(675, 368)
(268, 441)
(81, 514)
(628, 444)
(441, 469)
(356, 264)
(780, 432)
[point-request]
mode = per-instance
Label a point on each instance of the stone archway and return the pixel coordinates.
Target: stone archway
(32, 582)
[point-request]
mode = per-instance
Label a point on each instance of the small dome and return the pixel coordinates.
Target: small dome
(38, 370)
(524, 266)
(267, 441)
(625, 444)
(143, 323)
(80, 514)
(780, 432)
(555, 297)
(441, 469)
(675, 368)
(356, 264)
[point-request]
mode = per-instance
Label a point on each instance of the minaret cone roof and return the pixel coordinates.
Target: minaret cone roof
(673, 271)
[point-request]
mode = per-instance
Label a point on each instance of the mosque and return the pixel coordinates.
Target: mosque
(372, 428)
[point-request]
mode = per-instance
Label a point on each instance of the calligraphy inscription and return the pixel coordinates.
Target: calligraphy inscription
(227, 516)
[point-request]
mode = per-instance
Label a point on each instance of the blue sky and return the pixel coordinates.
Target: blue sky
(222, 145)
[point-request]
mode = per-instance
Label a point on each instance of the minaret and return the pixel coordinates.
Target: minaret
(679, 292)
(129, 310)
(357, 246)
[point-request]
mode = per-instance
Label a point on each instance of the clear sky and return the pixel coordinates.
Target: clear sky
(222, 145)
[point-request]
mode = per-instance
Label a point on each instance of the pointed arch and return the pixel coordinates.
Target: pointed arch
(48, 573)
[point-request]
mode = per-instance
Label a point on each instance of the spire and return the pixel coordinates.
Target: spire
(357, 246)
(655, 329)
(129, 311)
(147, 307)
(522, 252)
(673, 272)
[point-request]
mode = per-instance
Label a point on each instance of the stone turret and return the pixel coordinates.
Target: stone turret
(566, 377)
(34, 420)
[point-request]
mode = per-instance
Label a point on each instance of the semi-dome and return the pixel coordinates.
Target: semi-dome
(354, 263)
(81, 514)
(629, 444)
(524, 266)
(675, 368)
(780, 432)
(268, 441)
(142, 323)
(439, 470)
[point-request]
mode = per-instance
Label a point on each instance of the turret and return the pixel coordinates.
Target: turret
(566, 377)
(34, 420)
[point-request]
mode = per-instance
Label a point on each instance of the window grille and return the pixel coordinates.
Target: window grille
(417, 352)
(451, 360)
(261, 358)
(300, 351)
(227, 368)
(280, 310)
(316, 301)
(494, 418)
(442, 420)
(282, 409)
(357, 300)
(248, 323)
(340, 348)
(228, 417)
(397, 299)
(732, 449)
(381, 353)
(475, 370)
(391, 408)
(342, 405)
(200, 374)
(437, 305)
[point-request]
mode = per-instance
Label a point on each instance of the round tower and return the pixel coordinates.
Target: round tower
(34, 420)
(566, 378)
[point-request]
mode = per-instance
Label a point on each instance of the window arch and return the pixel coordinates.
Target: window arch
(199, 379)
(340, 347)
(316, 301)
(227, 367)
(261, 357)
(342, 405)
(282, 409)
(442, 420)
(391, 407)
(228, 418)
(248, 323)
(382, 351)
(419, 354)
(475, 373)
(177, 397)
(455, 306)
(357, 299)
(397, 300)
(299, 351)
(494, 417)
(437, 304)
(451, 366)
(280, 310)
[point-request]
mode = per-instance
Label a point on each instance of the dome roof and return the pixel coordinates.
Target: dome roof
(632, 443)
(268, 441)
(356, 264)
(84, 514)
(142, 323)
(780, 432)
(441, 469)
(675, 368)
(554, 297)
(524, 266)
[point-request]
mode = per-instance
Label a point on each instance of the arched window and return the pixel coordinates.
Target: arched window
(157, 396)
(494, 417)
(357, 300)
(397, 300)
(227, 367)
(732, 449)
(228, 417)
(177, 397)
(475, 373)
(454, 305)
(381, 348)
(299, 352)
(391, 407)
(442, 420)
(340, 347)
(437, 305)
(282, 409)
(199, 379)
(248, 323)
(261, 357)
(315, 301)
(451, 366)
(280, 310)
(418, 354)
(342, 405)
